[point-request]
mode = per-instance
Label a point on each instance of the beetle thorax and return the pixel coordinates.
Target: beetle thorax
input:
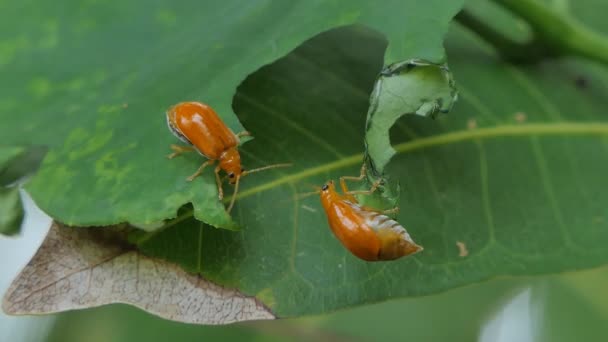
(230, 162)
(329, 195)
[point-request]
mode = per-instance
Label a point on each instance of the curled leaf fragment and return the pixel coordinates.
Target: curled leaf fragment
(415, 87)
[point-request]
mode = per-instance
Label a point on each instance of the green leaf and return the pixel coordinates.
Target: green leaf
(7, 155)
(92, 81)
(18, 162)
(11, 211)
(515, 173)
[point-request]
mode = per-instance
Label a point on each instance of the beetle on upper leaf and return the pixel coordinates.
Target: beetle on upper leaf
(198, 125)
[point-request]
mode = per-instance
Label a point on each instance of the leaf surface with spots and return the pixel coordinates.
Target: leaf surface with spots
(92, 80)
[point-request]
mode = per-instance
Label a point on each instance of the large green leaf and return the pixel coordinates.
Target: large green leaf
(93, 79)
(516, 173)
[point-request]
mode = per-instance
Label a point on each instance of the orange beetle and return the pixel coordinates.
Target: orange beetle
(366, 233)
(199, 125)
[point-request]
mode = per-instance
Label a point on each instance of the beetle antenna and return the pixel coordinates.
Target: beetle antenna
(263, 168)
(244, 173)
(307, 194)
(236, 189)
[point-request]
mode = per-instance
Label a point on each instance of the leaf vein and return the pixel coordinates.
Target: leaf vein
(562, 128)
(485, 191)
(548, 188)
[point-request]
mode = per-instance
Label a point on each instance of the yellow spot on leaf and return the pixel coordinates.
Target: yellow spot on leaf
(75, 138)
(166, 17)
(110, 173)
(347, 18)
(39, 88)
(76, 84)
(83, 145)
(10, 47)
(50, 36)
(106, 109)
(267, 297)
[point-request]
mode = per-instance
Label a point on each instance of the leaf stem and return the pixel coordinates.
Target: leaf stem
(555, 34)
(507, 48)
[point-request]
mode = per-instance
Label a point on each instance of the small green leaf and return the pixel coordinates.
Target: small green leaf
(18, 162)
(8, 153)
(11, 211)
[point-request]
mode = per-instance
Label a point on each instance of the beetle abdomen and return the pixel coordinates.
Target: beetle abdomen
(395, 241)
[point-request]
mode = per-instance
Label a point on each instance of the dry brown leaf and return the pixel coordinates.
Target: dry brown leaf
(79, 268)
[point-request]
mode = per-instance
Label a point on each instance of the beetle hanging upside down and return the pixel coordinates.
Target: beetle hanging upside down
(367, 233)
(199, 126)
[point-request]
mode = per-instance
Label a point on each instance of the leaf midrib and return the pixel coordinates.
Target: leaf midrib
(563, 128)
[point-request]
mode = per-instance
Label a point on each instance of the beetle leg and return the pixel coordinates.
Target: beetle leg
(218, 181)
(352, 178)
(243, 134)
(395, 210)
(366, 192)
(179, 150)
(200, 170)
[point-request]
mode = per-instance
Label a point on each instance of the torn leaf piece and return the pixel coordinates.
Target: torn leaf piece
(410, 87)
(83, 268)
